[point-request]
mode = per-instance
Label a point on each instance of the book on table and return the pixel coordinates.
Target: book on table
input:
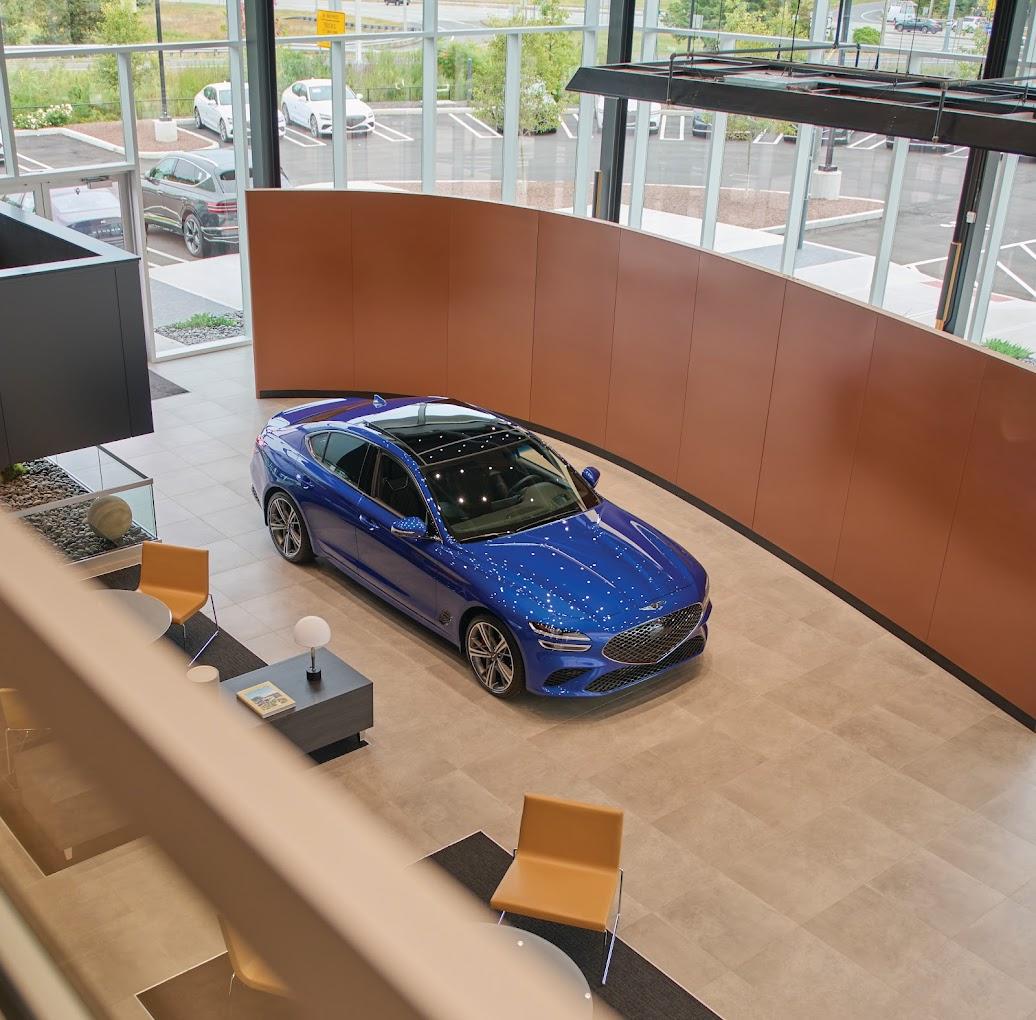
(266, 699)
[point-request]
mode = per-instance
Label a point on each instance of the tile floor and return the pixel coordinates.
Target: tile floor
(820, 822)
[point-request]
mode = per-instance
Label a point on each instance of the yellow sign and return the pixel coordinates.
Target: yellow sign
(330, 23)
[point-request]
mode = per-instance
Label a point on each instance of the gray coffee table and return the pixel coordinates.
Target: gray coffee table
(151, 613)
(340, 706)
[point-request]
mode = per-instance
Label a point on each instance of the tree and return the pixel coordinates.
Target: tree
(866, 35)
(548, 61)
(119, 24)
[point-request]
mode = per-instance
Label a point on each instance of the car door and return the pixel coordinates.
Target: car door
(153, 186)
(403, 569)
(209, 112)
(332, 482)
(298, 102)
(184, 192)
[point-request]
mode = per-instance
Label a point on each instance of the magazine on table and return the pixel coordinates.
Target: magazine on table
(266, 699)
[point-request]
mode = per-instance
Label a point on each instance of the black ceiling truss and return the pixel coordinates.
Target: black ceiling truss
(997, 114)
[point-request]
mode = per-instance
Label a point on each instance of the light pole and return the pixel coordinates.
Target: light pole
(161, 61)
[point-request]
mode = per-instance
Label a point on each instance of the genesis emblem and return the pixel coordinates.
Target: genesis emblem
(651, 608)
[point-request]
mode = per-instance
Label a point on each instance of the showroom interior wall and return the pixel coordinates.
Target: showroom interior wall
(893, 461)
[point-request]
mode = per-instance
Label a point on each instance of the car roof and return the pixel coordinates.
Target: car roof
(313, 81)
(221, 159)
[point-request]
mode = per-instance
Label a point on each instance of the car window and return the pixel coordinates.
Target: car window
(187, 173)
(319, 93)
(207, 183)
(209, 92)
(394, 487)
(318, 444)
(299, 90)
(164, 168)
(224, 97)
(347, 456)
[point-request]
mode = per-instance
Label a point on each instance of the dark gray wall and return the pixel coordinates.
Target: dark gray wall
(73, 359)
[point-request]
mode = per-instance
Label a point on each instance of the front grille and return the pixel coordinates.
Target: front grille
(563, 676)
(355, 120)
(649, 642)
(634, 674)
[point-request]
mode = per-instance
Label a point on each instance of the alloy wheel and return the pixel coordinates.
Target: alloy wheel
(284, 110)
(314, 128)
(490, 656)
(197, 117)
(285, 527)
(192, 235)
(223, 136)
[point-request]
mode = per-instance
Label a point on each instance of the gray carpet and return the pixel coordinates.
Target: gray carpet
(161, 387)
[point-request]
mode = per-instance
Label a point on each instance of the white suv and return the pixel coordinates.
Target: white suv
(308, 104)
(213, 110)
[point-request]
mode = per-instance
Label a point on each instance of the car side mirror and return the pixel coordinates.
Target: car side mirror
(411, 528)
(591, 476)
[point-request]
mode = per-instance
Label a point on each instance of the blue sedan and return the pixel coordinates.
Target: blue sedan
(480, 531)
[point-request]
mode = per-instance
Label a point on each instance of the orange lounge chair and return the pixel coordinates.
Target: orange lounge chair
(178, 576)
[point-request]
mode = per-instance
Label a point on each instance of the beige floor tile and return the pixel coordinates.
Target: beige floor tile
(939, 704)
(252, 579)
(764, 726)
(749, 662)
(885, 735)
(843, 622)
(656, 866)
(993, 855)
(788, 791)
(275, 646)
(684, 961)
(936, 892)
(258, 543)
(733, 998)
(724, 918)
(876, 933)
(807, 978)
(958, 985)
(225, 554)
(1006, 938)
(237, 520)
(1026, 895)
(815, 698)
(714, 828)
(801, 643)
(209, 500)
(452, 806)
(191, 531)
(909, 807)
(1014, 810)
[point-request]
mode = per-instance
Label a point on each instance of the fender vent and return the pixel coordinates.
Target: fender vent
(445, 616)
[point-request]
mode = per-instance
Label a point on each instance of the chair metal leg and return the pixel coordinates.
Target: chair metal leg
(615, 928)
(500, 919)
(212, 637)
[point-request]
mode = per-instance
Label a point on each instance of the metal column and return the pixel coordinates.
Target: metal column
(585, 130)
(638, 179)
(135, 227)
(613, 132)
(262, 76)
(429, 94)
(713, 175)
(339, 135)
(797, 198)
(6, 118)
(241, 113)
(879, 278)
(1001, 201)
(1002, 60)
(512, 113)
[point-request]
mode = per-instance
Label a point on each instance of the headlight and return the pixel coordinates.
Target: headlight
(556, 639)
(324, 116)
(705, 595)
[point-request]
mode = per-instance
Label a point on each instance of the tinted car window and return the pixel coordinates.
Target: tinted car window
(346, 455)
(164, 169)
(394, 487)
(318, 444)
(187, 173)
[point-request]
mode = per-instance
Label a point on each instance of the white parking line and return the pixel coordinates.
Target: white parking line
(761, 139)
(165, 255)
(566, 128)
(859, 141)
(873, 145)
(1024, 245)
(486, 132)
(391, 134)
(303, 140)
(45, 166)
(1017, 279)
(961, 152)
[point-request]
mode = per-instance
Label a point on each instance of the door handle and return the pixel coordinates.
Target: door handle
(304, 482)
(369, 524)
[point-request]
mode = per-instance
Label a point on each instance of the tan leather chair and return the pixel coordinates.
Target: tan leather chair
(248, 967)
(566, 867)
(17, 719)
(178, 576)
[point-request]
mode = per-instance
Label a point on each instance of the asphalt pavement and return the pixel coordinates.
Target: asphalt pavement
(469, 149)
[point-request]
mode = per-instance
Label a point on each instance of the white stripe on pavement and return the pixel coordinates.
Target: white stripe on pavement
(859, 141)
(384, 131)
(305, 140)
(46, 166)
(1017, 279)
(566, 128)
(493, 133)
(165, 255)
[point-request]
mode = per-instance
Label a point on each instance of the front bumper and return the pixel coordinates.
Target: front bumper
(591, 674)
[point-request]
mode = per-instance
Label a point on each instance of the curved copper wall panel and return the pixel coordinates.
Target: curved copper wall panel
(894, 462)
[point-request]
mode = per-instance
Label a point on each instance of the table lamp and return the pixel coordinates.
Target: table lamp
(312, 632)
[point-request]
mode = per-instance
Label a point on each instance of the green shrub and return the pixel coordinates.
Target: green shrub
(52, 116)
(866, 35)
(205, 320)
(1008, 348)
(11, 472)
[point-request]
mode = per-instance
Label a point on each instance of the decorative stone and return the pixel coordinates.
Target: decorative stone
(110, 517)
(206, 677)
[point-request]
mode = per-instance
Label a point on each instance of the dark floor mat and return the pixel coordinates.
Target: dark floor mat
(161, 387)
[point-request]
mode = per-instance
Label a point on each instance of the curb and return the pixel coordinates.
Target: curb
(833, 221)
(82, 136)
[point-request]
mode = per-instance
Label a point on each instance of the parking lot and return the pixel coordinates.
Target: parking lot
(469, 149)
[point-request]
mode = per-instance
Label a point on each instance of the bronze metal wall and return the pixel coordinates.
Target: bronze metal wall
(896, 462)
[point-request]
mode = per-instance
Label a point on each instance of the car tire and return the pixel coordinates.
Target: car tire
(284, 110)
(193, 238)
(223, 136)
(501, 671)
(314, 127)
(287, 528)
(197, 118)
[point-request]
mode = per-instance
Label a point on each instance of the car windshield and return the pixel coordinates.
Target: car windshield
(319, 93)
(505, 490)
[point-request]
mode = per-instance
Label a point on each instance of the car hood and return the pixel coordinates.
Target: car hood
(595, 570)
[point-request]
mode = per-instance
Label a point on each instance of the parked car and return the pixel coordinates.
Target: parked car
(213, 110)
(96, 212)
(921, 145)
(972, 23)
(477, 529)
(897, 11)
(914, 24)
(654, 115)
(398, 3)
(308, 104)
(194, 194)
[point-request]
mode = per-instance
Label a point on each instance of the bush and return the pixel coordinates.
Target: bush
(1008, 348)
(866, 35)
(52, 116)
(11, 472)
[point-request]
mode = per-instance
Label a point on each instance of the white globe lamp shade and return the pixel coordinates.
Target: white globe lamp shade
(312, 632)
